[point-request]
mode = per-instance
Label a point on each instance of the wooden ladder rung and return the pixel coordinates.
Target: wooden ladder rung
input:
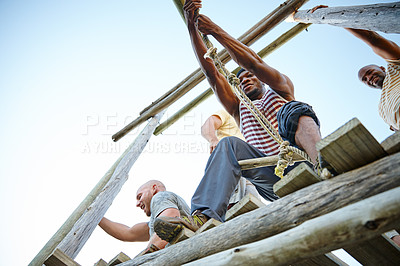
(120, 258)
(246, 204)
(59, 258)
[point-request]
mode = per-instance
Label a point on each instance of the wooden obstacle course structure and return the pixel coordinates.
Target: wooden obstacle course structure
(369, 173)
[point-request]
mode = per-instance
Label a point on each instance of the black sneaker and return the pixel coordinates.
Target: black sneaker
(167, 228)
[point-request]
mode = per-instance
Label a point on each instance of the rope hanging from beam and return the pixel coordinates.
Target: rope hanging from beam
(285, 150)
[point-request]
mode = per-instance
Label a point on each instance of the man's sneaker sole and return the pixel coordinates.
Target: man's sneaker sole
(167, 231)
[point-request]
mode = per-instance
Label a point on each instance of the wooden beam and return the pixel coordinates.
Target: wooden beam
(246, 204)
(300, 177)
(378, 17)
(248, 38)
(184, 234)
(120, 258)
(359, 221)
(392, 143)
(82, 229)
(285, 213)
(101, 262)
(207, 93)
(211, 223)
(265, 161)
(58, 258)
(55, 240)
(350, 147)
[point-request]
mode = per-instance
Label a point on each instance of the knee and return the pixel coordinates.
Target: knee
(228, 142)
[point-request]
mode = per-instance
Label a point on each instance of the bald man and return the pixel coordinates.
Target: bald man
(155, 201)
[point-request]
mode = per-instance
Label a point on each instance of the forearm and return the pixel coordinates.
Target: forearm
(240, 53)
(114, 229)
(138, 232)
(380, 45)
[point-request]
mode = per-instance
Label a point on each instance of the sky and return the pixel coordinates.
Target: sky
(73, 73)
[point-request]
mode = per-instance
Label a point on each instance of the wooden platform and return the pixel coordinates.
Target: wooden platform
(120, 258)
(348, 148)
(246, 204)
(58, 258)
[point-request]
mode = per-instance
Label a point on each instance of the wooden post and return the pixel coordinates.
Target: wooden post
(285, 213)
(252, 35)
(359, 221)
(50, 246)
(207, 93)
(82, 229)
(378, 17)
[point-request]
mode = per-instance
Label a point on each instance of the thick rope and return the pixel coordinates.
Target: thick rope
(285, 151)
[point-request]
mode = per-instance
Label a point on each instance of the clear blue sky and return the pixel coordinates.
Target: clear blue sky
(75, 72)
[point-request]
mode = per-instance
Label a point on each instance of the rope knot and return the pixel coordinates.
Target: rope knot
(233, 80)
(285, 158)
(211, 53)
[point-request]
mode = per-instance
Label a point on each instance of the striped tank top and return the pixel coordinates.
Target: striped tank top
(251, 129)
(389, 104)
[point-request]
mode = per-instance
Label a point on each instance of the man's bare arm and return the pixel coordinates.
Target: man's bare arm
(217, 81)
(138, 232)
(208, 130)
(248, 59)
(380, 45)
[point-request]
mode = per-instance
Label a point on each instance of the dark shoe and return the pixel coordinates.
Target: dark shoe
(167, 228)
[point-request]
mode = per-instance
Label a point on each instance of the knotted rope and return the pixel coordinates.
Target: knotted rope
(285, 151)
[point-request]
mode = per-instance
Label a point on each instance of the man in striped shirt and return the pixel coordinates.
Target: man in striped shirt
(297, 122)
(387, 80)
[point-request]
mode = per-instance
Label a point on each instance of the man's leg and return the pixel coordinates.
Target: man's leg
(299, 125)
(222, 174)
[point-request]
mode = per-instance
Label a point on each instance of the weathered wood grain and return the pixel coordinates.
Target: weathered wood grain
(211, 223)
(392, 143)
(101, 262)
(350, 147)
(300, 177)
(58, 258)
(83, 228)
(285, 213)
(246, 204)
(121, 257)
(377, 17)
(357, 222)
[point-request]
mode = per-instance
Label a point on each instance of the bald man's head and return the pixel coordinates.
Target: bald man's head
(146, 192)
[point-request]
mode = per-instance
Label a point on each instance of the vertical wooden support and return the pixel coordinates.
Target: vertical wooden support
(82, 229)
(378, 17)
(55, 240)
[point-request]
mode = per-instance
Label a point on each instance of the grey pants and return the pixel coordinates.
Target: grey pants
(222, 173)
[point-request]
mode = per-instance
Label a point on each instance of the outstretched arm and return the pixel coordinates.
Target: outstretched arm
(138, 232)
(380, 45)
(217, 81)
(248, 59)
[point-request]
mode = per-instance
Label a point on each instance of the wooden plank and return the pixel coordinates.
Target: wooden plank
(359, 221)
(376, 251)
(285, 213)
(248, 38)
(392, 143)
(120, 258)
(246, 204)
(265, 161)
(82, 229)
(349, 147)
(183, 235)
(377, 17)
(328, 259)
(58, 258)
(211, 223)
(101, 262)
(300, 177)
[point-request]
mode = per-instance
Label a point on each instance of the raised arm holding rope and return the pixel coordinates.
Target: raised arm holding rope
(222, 170)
